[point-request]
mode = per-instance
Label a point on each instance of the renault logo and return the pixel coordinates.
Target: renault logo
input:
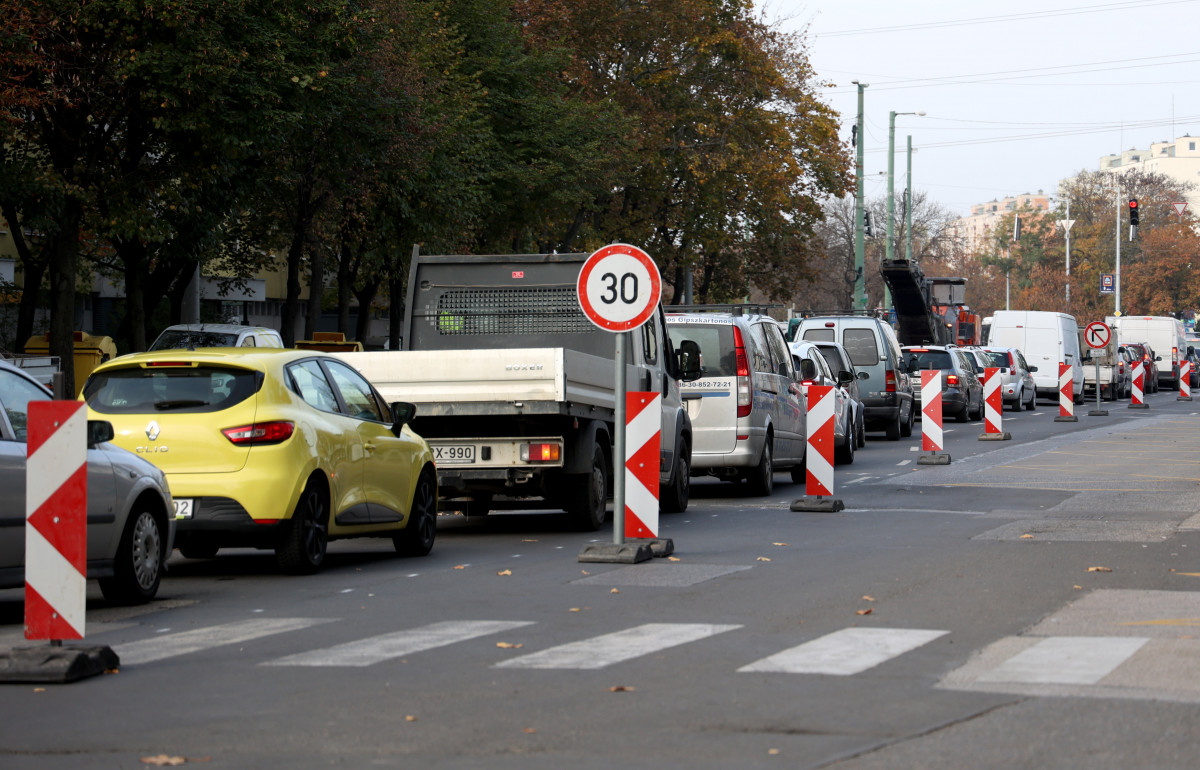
(152, 430)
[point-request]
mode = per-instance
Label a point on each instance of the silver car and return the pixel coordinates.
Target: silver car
(130, 517)
(1017, 388)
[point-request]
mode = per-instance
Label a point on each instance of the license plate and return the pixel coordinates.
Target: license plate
(452, 454)
(183, 508)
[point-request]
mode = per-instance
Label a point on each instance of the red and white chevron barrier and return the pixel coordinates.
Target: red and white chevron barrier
(819, 463)
(56, 520)
(931, 410)
(1185, 381)
(993, 407)
(643, 430)
(1139, 387)
(1066, 394)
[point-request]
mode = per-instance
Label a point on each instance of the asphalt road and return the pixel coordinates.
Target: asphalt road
(1032, 604)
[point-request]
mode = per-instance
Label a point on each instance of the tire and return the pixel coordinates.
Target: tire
(844, 455)
(1032, 401)
(416, 539)
(964, 415)
(860, 431)
(301, 549)
(140, 561)
(761, 479)
(895, 429)
(906, 428)
(587, 496)
(674, 497)
(799, 472)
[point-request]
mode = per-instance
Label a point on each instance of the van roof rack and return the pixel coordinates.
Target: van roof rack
(819, 313)
(738, 308)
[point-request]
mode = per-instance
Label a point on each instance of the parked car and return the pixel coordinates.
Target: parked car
(962, 390)
(1194, 358)
(1017, 388)
(130, 521)
(272, 448)
(814, 370)
(747, 409)
(887, 390)
(191, 336)
(1142, 351)
(848, 378)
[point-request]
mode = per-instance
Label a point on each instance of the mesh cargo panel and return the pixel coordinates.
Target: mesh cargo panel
(510, 311)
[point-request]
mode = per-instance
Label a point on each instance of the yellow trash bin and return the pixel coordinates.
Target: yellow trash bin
(330, 342)
(90, 351)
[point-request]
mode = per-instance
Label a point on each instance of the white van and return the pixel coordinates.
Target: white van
(1164, 334)
(1047, 339)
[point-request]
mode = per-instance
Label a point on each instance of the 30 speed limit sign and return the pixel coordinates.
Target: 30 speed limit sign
(619, 287)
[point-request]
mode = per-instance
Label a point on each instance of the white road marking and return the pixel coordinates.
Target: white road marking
(914, 449)
(904, 462)
(855, 481)
(601, 651)
(184, 642)
(376, 649)
(1066, 660)
(845, 652)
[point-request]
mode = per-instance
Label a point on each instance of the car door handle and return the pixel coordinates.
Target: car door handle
(369, 447)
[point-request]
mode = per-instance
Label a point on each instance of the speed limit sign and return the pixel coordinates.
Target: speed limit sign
(619, 287)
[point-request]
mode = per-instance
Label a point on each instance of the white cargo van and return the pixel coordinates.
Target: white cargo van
(1164, 334)
(1047, 339)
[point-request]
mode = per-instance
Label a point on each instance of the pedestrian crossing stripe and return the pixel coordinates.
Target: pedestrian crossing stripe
(845, 652)
(184, 642)
(601, 651)
(376, 649)
(1066, 660)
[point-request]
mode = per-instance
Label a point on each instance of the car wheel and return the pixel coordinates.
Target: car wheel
(1032, 401)
(964, 415)
(799, 472)
(860, 430)
(906, 428)
(894, 429)
(416, 539)
(762, 478)
(845, 453)
(674, 497)
(138, 567)
(587, 498)
(306, 536)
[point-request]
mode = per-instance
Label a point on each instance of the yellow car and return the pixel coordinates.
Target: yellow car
(271, 448)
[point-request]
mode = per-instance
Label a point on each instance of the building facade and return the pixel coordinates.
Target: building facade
(1178, 160)
(972, 233)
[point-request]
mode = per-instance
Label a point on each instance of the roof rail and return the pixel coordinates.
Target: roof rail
(818, 313)
(738, 308)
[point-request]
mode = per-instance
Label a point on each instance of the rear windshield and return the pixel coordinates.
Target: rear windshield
(928, 359)
(147, 391)
(860, 344)
(183, 339)
(819, 335)
(717, 356)
(996, 359)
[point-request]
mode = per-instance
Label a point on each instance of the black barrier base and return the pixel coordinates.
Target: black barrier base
(616, 553)
(1001, 436)
(933, 459)
(1066, 418)
(659, 546)
(1184, 398)
(1098, 413)
(57, 665)
(818, 504)
(1139, 406)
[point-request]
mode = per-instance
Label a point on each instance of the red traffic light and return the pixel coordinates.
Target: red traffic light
(1133, 203)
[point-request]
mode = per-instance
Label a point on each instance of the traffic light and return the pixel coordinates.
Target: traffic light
(868, 227)
(1133, 212)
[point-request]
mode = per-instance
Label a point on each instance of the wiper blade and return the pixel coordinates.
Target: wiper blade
(180, 403)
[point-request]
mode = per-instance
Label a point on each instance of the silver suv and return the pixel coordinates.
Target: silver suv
(747, 409)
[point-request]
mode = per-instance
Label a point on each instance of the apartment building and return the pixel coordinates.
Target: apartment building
(1178, 160)
(971, 233)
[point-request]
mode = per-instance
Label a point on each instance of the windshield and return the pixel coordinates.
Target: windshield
(928, 359)
(996, 359)
(141, 391)
(183, 339)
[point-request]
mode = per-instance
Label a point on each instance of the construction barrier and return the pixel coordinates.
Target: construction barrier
(643, 429)
(56, 520)
(818, 463)
(1139, 385)
(1185, 381)
(931, 418)
(993, 407)
(1066, 394)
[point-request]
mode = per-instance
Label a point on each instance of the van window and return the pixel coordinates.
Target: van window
(819, 334)
(760, 360)
(781, 358)
(716, 346)
(861, 345)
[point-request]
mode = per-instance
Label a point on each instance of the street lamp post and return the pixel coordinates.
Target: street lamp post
(908, 205)
(891, 199)
(860, 280)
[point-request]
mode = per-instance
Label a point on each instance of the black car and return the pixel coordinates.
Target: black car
(962, 390)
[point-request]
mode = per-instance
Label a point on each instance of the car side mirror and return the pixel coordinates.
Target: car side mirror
(1032, 369)
(99, 431)
(689, 360)
(1158, 358)
(402, 414)
(901, 366)
(845, 378)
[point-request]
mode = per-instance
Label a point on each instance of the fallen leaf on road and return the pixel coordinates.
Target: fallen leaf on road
(162, 760)
(509, 645)
(868, 598)
(1079, 588)
(763, 558)
(504, 572)
(867, 611)
(585, 572)
(1027, 536)
(574, 609)
(39, 689)
(410, 718)
(772, 752)
(1099, 569)
(614, 591)
(672, 558)
(530, 730)
(529, 541)
(460, 566)
(621, 688)
(778, 543)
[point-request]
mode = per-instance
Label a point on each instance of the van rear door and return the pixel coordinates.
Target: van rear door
(712, 399)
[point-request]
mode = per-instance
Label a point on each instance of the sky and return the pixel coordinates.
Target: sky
(1018, 95)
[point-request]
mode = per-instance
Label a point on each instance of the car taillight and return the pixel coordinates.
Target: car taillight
(547, 452)
(1174, 355)
(1011, 363)
(744, 396)
(889, 381)
(952, 380)
(261, 433)
(1121, 367)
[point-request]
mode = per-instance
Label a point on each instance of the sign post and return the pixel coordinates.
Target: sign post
(619, 288)
(1097, 335)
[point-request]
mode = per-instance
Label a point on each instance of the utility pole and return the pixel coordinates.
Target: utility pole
(1117, 277)
(860, 280)
(908, 205)
(891, 197)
